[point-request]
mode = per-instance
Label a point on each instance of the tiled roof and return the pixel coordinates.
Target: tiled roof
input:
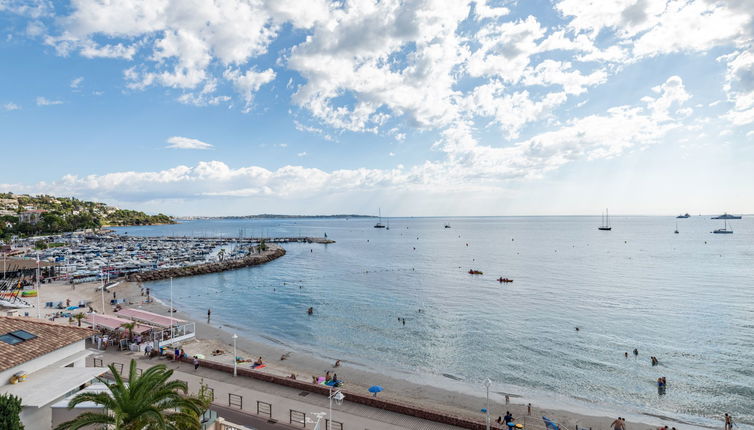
(50, 336)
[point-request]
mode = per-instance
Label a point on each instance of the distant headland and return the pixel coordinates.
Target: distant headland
(273, 216)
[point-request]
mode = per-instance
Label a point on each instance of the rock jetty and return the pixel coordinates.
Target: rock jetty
(273, 252)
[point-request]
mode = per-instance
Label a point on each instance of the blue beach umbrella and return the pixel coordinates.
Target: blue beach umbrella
(375, 389)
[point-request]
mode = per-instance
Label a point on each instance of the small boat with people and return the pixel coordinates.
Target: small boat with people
(686, 215)
(475, 272)
(504, 280)
(447, 225)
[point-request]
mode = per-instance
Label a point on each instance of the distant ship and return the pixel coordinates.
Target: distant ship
(379, 223)
(686, 215)
(447, 225)
(605, 222)
(725, 229)
(726, 215)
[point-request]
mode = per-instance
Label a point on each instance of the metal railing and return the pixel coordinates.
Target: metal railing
(297, 417)
(264, 408)
(234, 400)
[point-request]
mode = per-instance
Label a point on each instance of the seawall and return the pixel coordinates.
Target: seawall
(273, 252)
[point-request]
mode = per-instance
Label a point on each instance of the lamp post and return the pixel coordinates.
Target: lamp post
(39, 311)
(487, 384)
(338, 397)
(235, 361)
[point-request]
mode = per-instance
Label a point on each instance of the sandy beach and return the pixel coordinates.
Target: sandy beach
(212, 337)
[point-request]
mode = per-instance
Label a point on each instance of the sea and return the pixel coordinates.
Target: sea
(686, 298)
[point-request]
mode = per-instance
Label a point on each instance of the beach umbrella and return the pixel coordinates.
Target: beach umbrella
(375, 389)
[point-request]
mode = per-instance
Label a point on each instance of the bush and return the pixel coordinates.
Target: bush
(10, 410)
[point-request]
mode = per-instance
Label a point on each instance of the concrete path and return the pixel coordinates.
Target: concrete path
(245, 394)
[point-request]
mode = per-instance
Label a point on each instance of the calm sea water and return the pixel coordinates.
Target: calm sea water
(686, 298)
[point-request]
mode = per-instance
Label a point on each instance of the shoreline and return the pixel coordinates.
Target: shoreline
(306, 363)
(403, 387)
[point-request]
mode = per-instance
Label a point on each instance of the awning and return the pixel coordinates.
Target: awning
(149, 317)
(51, 383)
(113, 323)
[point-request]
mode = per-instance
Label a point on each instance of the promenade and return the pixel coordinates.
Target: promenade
(285, 405)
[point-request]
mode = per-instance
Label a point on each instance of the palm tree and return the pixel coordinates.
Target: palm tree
(78, 317)
(146, 402)
(130, 327)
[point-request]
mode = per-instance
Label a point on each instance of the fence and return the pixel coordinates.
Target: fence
(264, 408)
(297, 417)
(336, 425)
(234, 400)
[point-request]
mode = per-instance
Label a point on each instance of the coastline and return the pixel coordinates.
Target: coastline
(305, 364)
(412, 389)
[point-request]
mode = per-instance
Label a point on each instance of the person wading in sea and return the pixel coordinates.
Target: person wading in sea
(209, 315)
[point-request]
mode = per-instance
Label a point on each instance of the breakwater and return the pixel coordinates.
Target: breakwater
(273, 252)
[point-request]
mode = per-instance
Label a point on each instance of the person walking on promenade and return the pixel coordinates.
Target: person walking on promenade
(196, 363)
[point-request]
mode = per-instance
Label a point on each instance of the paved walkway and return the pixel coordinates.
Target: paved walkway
(245, 393)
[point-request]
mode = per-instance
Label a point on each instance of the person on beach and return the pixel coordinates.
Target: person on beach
(618, 424)
(528, 409)
(209, 314)
(728, 422)
(508, 418)
(337, 363)
(196, 363)
(327, 375)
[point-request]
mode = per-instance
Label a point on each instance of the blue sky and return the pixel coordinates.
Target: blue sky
(423, 107)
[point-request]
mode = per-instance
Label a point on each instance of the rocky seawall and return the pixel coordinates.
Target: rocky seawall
(273, 252)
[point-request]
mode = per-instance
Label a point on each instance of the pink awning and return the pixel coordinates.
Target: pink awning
(149, 317)
(113, 323)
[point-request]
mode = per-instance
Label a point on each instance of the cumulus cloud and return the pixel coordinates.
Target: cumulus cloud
(43, 101)
(178, 142)
(76, 83)
(10, 106)
(468, 164)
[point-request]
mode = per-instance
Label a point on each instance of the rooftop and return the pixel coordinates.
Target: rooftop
(49, 337)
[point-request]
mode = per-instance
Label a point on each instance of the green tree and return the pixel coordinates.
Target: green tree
(130, 327)
(10, 410)
(78, 317)
(147, 402)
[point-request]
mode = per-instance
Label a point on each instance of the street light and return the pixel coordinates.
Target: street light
(235, 361)
(338, 397)
(487, 384)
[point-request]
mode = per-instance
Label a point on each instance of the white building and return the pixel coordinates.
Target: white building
(52, 356)
(31, 216)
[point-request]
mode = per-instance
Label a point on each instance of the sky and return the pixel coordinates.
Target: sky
(420, 108)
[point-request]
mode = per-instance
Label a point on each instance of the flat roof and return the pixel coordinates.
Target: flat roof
(48, 384)
(149, 317)
(114, 323)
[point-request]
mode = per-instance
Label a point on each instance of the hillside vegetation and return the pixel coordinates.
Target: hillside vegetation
(64, 214)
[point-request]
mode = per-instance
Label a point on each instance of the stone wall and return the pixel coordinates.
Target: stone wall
(368, 400)
(270, 254)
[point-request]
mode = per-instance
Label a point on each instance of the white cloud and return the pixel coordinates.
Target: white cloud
(10, 106)
(750, 134)
(76, 83)
(248, 83)
(468, 165)
(301, 154)
(739, 85)
(43, 101)
(484, 10)
(178, 142)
